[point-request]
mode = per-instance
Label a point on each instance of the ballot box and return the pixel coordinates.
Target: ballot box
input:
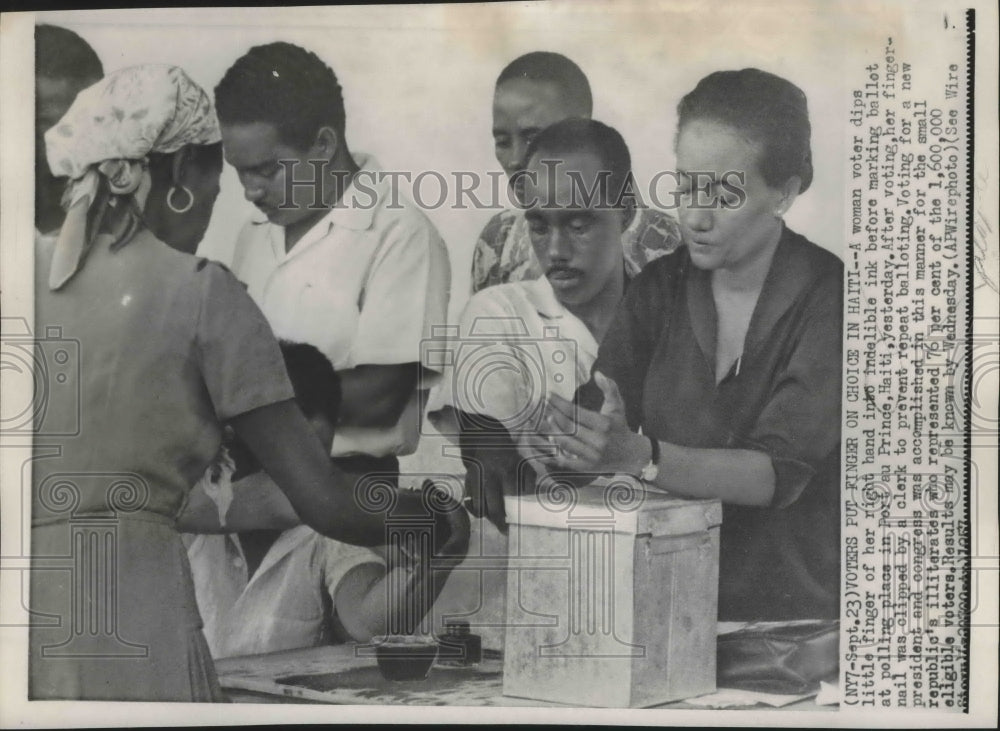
(612, 595)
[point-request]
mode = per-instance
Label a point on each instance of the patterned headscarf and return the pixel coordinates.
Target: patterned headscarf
(106, 136)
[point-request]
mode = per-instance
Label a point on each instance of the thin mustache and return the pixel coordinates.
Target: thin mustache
(563, 270)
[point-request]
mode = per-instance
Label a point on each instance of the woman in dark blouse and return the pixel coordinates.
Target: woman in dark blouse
(727, 356)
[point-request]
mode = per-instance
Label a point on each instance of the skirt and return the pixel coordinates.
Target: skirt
(114, 615)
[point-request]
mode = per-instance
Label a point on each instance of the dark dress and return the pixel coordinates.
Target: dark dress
(781, 561)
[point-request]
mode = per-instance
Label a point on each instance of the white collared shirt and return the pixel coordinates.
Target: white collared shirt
(365, 285)
(515, 345)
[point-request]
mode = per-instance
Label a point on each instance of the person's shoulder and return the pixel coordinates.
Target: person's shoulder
(210, 267)
(497, 299)
(213, 279)
(657, 230)
(397, 218)
(655, 284)
(662, 270)
(499, 224)
(332, 551)
(822, 262)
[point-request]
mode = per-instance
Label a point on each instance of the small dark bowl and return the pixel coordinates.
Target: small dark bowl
(404, 657)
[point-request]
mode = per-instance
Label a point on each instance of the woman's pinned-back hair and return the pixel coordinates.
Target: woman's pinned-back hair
(284, 85)
(769, 110)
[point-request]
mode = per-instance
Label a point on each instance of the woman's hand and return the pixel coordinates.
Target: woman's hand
(599, 442)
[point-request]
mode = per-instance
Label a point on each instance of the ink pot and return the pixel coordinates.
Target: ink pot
(459, 646)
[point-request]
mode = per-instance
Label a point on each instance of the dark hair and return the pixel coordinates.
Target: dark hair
(768, 109)
(316, 384)
(284, 85)
(62, 54)
(317, 392)
(555, 69)
(576, 135)
(204, 157)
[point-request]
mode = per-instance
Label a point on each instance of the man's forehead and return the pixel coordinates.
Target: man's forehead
(252, 143)
(526, 99)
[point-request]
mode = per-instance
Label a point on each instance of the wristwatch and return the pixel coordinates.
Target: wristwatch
(651, 470)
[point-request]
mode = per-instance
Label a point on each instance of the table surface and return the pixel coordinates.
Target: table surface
(348, 675)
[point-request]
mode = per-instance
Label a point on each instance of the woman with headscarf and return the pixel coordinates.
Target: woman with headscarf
(726, 356)
(160, 349)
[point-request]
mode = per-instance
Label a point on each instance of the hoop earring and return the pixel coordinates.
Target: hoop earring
(170, 199)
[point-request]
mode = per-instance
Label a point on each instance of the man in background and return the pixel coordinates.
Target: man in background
(65, 65)
(533, 92)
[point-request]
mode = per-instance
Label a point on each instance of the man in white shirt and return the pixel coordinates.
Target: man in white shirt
(518, 342)
(337, 258)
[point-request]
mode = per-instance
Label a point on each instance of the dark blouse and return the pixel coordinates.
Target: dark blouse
(783, 399)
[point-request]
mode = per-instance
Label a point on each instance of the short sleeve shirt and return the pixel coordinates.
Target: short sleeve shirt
(515, 344)
(366, 285)
(147, 350)
(288, 602)
(504, 253)
(783, 399)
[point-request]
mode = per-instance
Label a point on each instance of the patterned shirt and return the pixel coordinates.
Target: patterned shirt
(504, 253)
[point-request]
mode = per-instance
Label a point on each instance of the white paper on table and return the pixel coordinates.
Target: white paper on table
(829, 694)
(728, 697)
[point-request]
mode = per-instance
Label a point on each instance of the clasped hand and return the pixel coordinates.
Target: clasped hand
(594, 441)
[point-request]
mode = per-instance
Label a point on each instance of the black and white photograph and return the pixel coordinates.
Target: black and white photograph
(515, 362)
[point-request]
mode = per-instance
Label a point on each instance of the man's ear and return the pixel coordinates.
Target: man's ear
(327, 143)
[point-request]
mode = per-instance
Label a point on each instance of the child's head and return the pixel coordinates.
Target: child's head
(317, 392)
(317, 387)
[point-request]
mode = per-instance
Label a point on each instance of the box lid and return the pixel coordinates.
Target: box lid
(620, 503)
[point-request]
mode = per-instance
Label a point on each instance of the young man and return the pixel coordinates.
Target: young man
(337, 258)
(533, 92)
(65, 65)
(270, 590)
(518, 342)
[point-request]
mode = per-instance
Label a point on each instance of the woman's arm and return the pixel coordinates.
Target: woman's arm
(320, 494)
(602, 442)
(257, 504)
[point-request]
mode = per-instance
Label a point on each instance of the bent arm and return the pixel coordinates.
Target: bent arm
(376, 395)
(603, 442)
(371, 601)
(737, 476)
(257, 504)
(492, 465)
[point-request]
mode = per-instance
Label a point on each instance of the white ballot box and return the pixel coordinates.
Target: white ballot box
(612, 596)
